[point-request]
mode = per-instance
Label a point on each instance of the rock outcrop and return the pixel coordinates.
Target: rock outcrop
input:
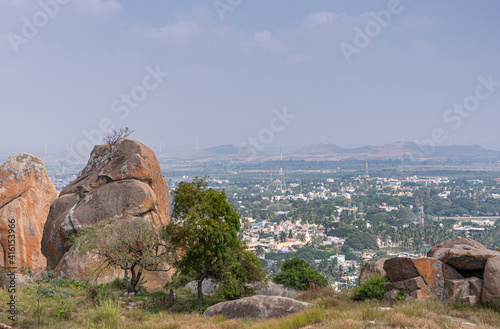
(279, 290)
(457, 270)
(372, 268)
(26, 193)
(257, 307)
(119, 180)
(491, 281)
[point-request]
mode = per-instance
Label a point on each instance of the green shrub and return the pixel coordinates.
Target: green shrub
(297, 274)
(372, 288)
(119, 284)
(102, 292)
(74, 283)
(64, 309)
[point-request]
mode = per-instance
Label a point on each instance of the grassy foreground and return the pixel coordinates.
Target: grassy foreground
(103, 309)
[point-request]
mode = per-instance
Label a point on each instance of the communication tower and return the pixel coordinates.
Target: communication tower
(281, 175)
(421, 211)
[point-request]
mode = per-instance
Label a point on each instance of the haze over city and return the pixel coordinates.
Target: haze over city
(348, 73)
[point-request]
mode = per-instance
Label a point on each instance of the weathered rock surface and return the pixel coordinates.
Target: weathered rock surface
(274, 289)
(457, 270)
(435, 273)
(391, 296)
(26, 193)
(491, 284)
(464, 290)
(461, 254)
(449, 244)
(372, 268)
(414, 287)
(118, 180)
(467, 258)
(85, 267)
(400, 269)
(207, 286)
(257, 307)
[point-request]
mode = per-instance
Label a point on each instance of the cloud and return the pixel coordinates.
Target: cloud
(98, 7)
(320, 19)
(265, 40)
(179, 32)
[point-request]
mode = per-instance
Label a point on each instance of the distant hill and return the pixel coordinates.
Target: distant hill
(398, 150)
(226, 149)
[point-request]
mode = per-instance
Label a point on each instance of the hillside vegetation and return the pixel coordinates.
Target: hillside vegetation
(102, 307)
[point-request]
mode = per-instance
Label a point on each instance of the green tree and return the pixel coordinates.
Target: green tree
(130, 243)
(45, 287)
(296, 273)
(260, 251)
(361, 240)
(205, 231)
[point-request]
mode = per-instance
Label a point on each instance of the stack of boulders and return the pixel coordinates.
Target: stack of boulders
(457, 270)
(120, 180)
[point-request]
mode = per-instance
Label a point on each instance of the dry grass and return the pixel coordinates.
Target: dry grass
(330, 310)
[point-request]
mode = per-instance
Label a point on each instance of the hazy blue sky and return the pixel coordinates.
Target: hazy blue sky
(65, 65)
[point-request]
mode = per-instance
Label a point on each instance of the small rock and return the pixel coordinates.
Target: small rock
(391, 296)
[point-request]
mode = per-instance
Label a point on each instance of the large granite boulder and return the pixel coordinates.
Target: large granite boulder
(466, 257)
(491, 284)
(461, 254)
(119, 180)
(26, 193)
(257, 307)
(449, 244)
(86, 267)
(400, 269)
(372, 268)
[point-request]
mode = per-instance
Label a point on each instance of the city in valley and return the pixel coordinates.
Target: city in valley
(338, 211)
